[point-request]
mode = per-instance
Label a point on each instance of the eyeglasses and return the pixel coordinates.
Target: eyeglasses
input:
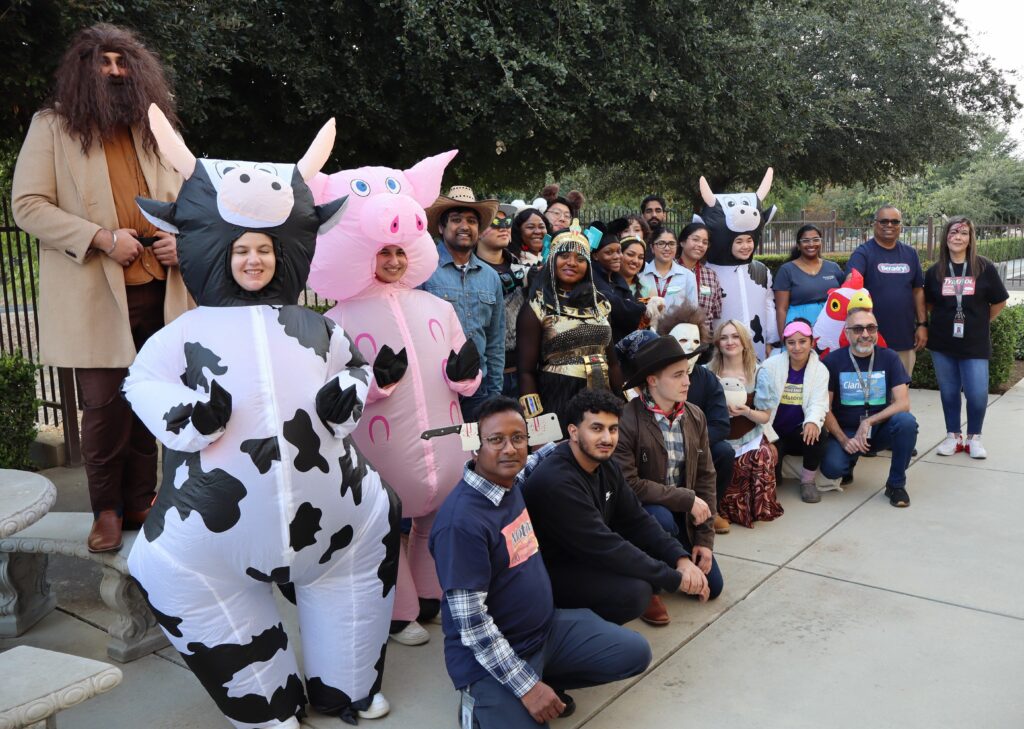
(665, 244)
(889, 221)
(858, 330)
(501, 223)
(559, 214)
(500, 441)
(805, 241)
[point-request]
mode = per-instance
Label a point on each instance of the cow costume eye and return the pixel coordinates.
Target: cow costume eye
(393, 185)
(732, 203)
(360, 188)
(223, 168)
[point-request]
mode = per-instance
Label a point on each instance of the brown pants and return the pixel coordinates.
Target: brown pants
(118, 451)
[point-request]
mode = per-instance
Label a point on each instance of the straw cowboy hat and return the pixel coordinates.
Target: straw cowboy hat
(460, 196)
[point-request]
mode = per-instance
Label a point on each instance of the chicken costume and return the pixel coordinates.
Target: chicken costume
(386, 208)
(253, 398)
(830, 326)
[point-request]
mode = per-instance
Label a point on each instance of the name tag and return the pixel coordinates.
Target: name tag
(520, 539)
(950, 284)
(705, 291)
(792, 394)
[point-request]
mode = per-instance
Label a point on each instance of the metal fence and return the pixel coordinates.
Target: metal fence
(19, 331)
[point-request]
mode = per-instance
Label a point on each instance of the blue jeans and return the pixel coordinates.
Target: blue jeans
(675, 524)
(898, 433)
(970, 375)
(470, 405)
(581, 650)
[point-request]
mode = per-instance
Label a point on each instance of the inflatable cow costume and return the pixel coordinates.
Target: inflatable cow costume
(746, 284)
(386, 208)
(254, 398)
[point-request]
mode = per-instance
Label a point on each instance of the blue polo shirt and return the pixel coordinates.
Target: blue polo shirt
(891, 276)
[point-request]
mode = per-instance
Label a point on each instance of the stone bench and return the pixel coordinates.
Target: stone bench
(26, 598)
(38, 683)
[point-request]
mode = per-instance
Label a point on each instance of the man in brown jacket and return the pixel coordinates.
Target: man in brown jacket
(664, 454)
(107, 278)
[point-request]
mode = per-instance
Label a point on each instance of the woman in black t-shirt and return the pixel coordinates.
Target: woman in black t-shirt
(964, 294)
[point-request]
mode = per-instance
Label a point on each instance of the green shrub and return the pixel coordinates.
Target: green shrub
(774, 261)
(18, 408)
(1007, 335)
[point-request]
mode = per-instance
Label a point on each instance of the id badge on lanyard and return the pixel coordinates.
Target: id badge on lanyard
(959, 284)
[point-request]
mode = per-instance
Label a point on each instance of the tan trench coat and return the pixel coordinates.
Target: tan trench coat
(62, 197)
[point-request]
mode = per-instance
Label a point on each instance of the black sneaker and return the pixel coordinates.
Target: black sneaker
(569, 701)
(846, 480)
(897, 496)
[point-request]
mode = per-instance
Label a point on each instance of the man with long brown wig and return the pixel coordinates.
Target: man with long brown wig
(107, 278)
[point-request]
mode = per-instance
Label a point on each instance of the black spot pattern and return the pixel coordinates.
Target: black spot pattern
(215, 666)
(353, 471)
(214, 494)
(304, 526)
(262, 451)
(379, 668)
(339, 540)
(278, 575)
(755, 327)
(330, 700)
(197, 359)
(178, 417)
(310, 329)
(299, 432)
(387, 572)
(165, 621)
(334, 405)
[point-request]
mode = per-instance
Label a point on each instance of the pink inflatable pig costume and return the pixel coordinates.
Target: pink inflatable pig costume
(386, 208)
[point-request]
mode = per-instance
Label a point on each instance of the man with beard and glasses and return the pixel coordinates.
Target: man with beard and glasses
(869, 396)
(601, 549)
(471, 287)
(107, 278)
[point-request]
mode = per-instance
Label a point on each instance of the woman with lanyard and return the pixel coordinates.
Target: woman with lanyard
(628, 313)
(693, 248)
(666, 278)
(802, 283)
(964, 294)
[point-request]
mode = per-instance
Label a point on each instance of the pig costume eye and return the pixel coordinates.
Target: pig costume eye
(393, 185)
(360, 188)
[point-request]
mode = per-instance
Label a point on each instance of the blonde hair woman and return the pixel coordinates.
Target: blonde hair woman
(751, 496)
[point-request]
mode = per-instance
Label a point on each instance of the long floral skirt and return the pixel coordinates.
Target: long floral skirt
(751, 496)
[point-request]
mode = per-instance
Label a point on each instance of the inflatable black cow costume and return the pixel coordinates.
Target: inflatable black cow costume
(254, 398)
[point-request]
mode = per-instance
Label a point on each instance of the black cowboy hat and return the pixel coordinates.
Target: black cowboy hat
(642, 353)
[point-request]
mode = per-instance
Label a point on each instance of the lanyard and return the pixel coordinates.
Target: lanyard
(959, 284)
(662, 290)
(864, 379)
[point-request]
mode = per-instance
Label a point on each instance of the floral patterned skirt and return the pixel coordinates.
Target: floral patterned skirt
(751, 496)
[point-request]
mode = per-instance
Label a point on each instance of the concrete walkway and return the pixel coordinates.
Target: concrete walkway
(846, 613)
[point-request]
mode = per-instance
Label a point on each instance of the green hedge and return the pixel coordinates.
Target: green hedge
(1007, 345)
(18, 407)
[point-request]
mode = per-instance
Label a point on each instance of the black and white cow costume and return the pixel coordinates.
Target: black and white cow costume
(253, 398)
(747, 294)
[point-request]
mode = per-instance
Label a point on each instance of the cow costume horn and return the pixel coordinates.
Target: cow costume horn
(171, 145)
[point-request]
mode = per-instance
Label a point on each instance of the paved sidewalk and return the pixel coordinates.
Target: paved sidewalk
(846, 613)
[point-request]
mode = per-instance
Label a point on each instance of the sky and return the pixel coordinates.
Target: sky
(996, 26)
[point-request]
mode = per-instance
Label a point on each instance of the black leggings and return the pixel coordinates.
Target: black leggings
(792, 444)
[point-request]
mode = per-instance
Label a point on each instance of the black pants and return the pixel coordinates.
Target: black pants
(616, 598)
(724, 457)
(792, 444)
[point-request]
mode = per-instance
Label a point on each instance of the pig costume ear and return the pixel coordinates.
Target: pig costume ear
(170, 144)
(425, 177)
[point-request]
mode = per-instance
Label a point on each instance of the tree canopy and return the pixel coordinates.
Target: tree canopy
(826, 91)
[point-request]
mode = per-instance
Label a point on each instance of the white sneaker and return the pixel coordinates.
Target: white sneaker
(974, 447)
(411, 634)
(952, 444)
(378, 707)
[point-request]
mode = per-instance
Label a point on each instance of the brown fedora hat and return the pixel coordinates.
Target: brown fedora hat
(460, 196)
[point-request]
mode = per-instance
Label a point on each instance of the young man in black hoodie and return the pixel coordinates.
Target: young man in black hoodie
(602, 550)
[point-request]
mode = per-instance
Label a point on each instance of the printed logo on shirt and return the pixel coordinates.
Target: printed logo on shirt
(829, 277)
(607, 495)
(950, 284)
(792, 394)
(520, 539)
(851, 393)
(894, 268)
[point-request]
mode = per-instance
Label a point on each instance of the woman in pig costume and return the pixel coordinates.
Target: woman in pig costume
(253, 398)
(747, 294)
(385, 226)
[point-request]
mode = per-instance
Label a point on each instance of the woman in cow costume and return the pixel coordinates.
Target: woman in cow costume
(371, 264)
(735, 223)
(253, 398)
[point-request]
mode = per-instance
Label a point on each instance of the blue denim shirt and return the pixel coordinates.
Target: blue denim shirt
(480, 305)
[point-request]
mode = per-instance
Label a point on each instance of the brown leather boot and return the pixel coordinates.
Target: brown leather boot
(656, 612)
(105, 535)
(133, 520)
(721, 524)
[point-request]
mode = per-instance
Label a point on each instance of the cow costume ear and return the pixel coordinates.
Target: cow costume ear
(158, 213)
(170, 144)
(330, 213)
(770, 214)
(316, 156)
